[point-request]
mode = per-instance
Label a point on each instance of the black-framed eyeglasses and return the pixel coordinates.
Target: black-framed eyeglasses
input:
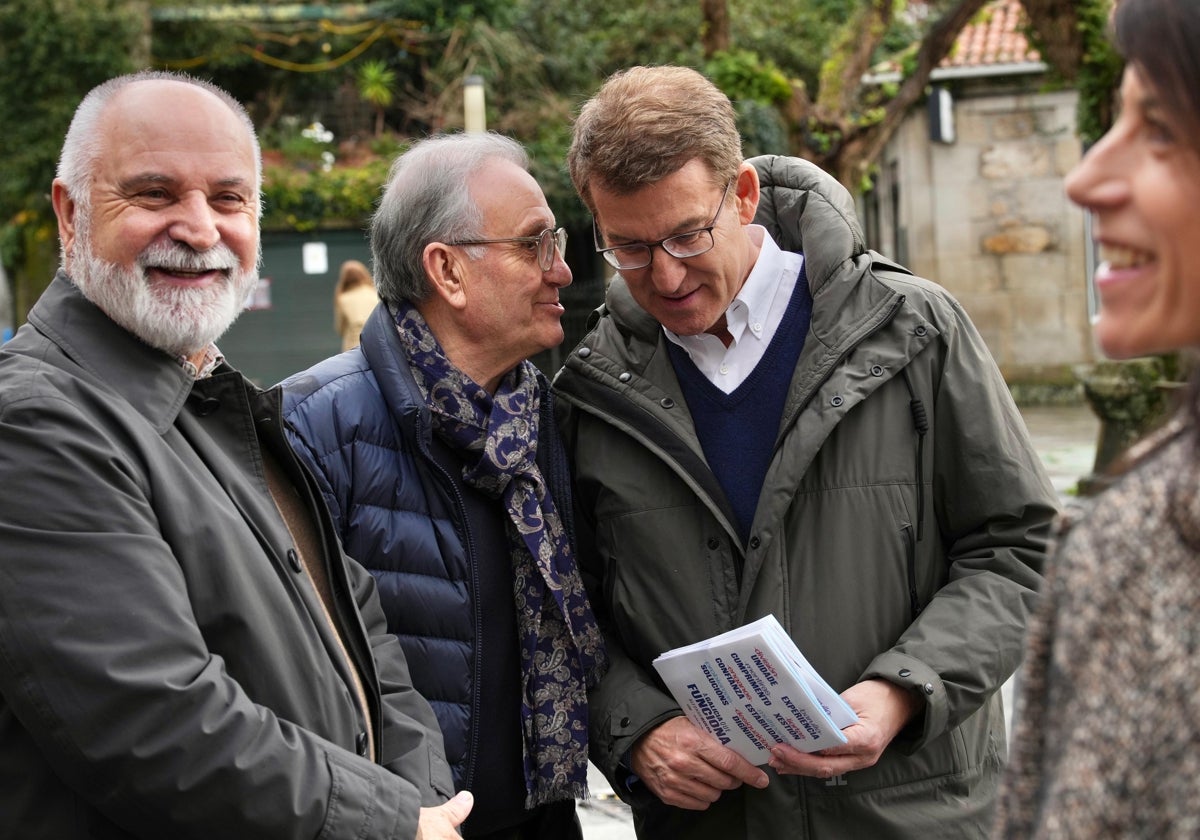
(546, 241)
(634, 255)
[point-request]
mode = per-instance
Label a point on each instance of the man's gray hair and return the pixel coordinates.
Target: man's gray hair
(83, 144)
(426, 199)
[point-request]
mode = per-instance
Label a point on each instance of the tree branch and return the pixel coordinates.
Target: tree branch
(715, 31)
(864, 145)
(841, 75)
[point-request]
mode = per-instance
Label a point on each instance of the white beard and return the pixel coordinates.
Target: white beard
(178, 321)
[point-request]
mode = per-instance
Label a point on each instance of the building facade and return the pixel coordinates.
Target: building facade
(969, 192)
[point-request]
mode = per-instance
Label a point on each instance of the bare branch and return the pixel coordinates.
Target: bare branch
(865, 145)
(841, 75)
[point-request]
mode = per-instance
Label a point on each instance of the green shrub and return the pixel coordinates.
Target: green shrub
(742, 74)
(306, 200)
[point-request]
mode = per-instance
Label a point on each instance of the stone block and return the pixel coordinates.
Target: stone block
(1056, 113)
(992, 316)
(1035, 274)
(953, 236)
(1067, 153)
(969, 275)
(1019, 239)
(1009, 161)
(1042, 199)
(949, 166)
(953, 213)
(1015, 126)
(1039, 336)
(970, 126)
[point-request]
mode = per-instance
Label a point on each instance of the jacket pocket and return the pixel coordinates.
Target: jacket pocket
(910, 569)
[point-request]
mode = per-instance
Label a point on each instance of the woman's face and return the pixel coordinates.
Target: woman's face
(1141, 183)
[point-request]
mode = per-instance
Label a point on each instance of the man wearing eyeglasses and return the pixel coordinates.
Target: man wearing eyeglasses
(768, 418)
(435, 447)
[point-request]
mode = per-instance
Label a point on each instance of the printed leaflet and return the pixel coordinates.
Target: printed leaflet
(752, 688)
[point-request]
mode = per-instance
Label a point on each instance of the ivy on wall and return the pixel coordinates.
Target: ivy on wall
(1099, 71)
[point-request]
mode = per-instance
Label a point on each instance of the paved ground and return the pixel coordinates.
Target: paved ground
(604, 817)
(1065, 438)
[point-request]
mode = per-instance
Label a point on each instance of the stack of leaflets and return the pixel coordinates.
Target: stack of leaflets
(752, 689)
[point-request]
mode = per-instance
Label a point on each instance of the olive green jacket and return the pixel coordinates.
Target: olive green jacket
(890, 542)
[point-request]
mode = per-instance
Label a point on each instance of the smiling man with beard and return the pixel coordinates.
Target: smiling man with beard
(184, 649)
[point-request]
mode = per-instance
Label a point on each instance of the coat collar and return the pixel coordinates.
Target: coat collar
(806, 210)
(388, 362)
(148, 379)
(381, 347)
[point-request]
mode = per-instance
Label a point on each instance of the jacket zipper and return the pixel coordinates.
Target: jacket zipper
(473, 565)
(349, 628)
(588, 397)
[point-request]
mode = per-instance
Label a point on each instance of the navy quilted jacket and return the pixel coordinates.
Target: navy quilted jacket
(360, 423)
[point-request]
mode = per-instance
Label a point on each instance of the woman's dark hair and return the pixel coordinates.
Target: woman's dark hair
(1162, 39)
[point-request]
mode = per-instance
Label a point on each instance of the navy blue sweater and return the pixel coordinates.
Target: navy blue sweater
(737, 431)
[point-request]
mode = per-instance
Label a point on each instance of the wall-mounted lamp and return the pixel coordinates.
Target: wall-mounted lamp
(474, 112)
(941, 115)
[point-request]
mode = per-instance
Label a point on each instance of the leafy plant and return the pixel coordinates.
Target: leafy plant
(304, 148)
(376, 84)
(762, 129)
(1099, 72)
(51, 54)
(742, 74)
(307, 200)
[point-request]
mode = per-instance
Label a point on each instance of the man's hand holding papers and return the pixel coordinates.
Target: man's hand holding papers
(752, 689)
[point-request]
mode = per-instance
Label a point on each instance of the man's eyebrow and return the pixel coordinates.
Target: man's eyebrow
(145, 179)
(151, 179)
(537, 226)
(234, 181)
(686, 226)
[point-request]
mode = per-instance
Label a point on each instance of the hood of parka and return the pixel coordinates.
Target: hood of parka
(801, 203)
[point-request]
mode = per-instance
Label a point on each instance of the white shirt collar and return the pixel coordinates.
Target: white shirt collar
(752, 302)
(212, 358)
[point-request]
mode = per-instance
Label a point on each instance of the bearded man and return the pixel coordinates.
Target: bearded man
(184, 649)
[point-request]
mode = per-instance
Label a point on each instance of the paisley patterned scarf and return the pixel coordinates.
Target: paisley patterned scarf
(561, 649)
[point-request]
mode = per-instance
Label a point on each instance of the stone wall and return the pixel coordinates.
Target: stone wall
(986, 216)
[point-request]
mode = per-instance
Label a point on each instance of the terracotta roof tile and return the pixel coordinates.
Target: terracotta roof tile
(995, 37)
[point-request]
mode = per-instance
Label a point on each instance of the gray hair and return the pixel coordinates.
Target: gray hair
(83, 144)
(426, 199)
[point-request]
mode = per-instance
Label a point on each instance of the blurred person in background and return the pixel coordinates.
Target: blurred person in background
(1108, 719)
(353, 299)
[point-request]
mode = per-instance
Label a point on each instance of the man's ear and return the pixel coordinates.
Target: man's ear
(746, 189)
(445, 267)
(65, 209)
